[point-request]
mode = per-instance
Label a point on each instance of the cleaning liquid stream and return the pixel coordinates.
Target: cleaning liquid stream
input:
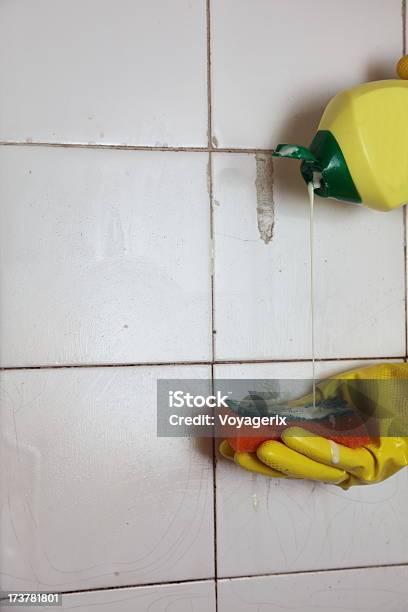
(310, 188)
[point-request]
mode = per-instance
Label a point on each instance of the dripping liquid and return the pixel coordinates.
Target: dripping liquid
(310, 188)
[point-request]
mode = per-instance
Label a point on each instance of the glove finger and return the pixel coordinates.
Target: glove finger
(250, 462)
(357, 461)
(296, 465)
(226, 450)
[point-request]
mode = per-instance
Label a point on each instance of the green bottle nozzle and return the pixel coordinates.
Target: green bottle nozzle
(310, 168)
(293, 151)
(324, 165)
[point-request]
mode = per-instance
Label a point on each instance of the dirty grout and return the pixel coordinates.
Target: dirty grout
(215, 362)
(265, 205)
(123, 147)
(211, 142)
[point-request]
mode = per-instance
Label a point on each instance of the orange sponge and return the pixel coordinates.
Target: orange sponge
(347, 429)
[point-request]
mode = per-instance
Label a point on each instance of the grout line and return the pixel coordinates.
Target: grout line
(69, 366)
(120, 147)
(315, 571)
(209, 89)
(214, 474)
(210, 198)
(404, 26)
(138, 586)
(303, 360)
(212, 331)
(232, 578)
(212, 254)
(214, 362)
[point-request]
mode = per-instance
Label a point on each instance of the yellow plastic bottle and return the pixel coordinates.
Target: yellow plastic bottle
(360, 152)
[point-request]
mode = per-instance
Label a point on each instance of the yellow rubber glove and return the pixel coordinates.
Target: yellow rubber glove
(305, 455)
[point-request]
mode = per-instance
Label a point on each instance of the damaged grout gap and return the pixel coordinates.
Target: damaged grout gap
(265, 205)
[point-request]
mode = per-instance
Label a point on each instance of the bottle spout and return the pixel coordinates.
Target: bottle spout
(324, 166)
(309, 168)
(293, 151)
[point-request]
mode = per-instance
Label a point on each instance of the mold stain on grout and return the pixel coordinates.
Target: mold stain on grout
(265, 205)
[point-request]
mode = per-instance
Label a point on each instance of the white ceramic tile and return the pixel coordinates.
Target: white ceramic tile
(363, 590)
(120, 72)
(262, 291)
(268, 526)
(276, 65)
(92, 498)
(105, 256)
(187, 597)
(359, 281)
